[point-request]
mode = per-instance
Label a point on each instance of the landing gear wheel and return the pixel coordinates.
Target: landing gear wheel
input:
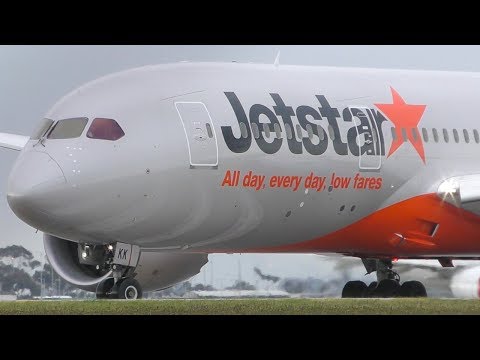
(386, 288)
(412, 289)
(371, 289)
(104, 288)
(129, 289)
(354, 289)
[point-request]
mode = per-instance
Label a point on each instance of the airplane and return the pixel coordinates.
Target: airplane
(134, 178)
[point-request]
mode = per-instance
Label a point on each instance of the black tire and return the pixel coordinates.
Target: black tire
(386, 288)
(412, 289)
(129, 289)
(104, 288)
(371, 289)
(354, 289)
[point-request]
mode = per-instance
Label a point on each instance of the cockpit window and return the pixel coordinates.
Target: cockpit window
(41, 129)
(68, 128)
(105, 129)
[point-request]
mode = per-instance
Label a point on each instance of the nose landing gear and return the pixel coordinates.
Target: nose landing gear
(386, 286)
(122, 262)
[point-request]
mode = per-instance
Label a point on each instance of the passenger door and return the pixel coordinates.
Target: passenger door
(200, 133)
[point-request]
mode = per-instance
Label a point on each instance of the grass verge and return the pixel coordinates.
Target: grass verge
(244, 307)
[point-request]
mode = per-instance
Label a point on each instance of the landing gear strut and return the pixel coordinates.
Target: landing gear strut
(387, 284)
(104, 288)
(388, 281)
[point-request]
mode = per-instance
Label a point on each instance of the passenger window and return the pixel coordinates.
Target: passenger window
(278, 130)
(331, 132)
(394, 133)
(299, 132)
(266, 130)
(321, 133)
(475, 135)
(414, 134)
(435, 135)
(466, 136)
(243, 130)
(210, 132)
(105, 129)
(425, 134)
(256, 133)
(309, 131)
(445, 135)
(68, 128)
(288, 130)
(455, 135)
(41, 129)
(404, 134)
(374, 136)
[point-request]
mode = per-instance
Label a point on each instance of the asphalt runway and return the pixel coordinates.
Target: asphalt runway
(243, 307)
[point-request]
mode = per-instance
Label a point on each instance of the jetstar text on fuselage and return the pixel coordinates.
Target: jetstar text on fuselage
(366, 124)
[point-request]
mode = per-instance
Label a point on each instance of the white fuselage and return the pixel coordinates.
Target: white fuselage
(160, 185)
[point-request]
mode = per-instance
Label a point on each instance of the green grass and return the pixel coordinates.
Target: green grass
(244, 307)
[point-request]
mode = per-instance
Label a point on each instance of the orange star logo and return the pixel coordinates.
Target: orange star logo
(404, 116)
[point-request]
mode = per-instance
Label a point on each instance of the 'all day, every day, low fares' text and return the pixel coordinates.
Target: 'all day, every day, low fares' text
(257, 181)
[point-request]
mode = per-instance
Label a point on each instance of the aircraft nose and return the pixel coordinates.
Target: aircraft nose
(32, 184)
